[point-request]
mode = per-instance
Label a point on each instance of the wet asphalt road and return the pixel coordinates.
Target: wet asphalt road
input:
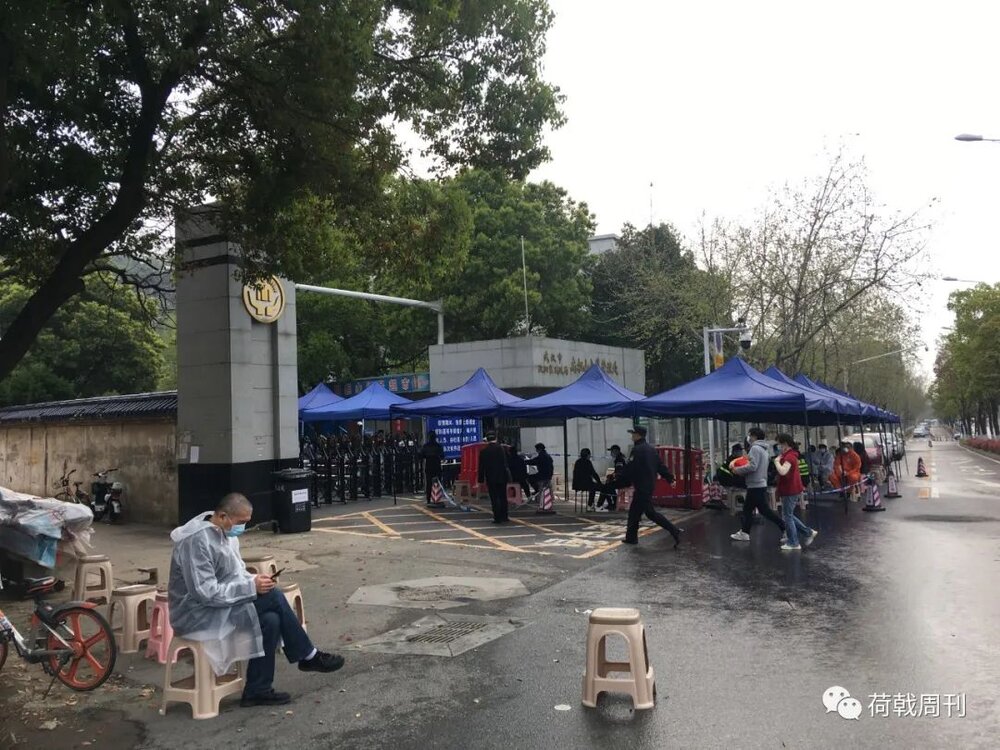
(745, 639)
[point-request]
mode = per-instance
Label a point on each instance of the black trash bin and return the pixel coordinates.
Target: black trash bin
(292, 500)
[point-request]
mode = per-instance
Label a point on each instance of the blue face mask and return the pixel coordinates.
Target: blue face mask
(237, 530)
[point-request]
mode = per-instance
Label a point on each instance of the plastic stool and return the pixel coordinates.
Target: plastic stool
(134, 604)
(160, 632)
(625, 498)
(640, 683)
(258, 563)
(204, 690)
(86, 566)
(463, 491)
(515, 495)
(293, 594)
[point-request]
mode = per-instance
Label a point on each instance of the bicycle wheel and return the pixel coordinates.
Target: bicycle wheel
(94, 651)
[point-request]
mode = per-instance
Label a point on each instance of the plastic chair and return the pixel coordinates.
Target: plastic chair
(133, 603)
(160, 632)
(93, 565)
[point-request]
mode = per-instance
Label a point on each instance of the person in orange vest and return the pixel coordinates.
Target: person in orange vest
(846, 467)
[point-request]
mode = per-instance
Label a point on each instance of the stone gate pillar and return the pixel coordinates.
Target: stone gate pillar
(237, 406)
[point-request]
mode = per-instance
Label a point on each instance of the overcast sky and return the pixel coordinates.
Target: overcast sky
(715, 102)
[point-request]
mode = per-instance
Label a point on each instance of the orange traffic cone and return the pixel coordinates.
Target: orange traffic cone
(921, 470)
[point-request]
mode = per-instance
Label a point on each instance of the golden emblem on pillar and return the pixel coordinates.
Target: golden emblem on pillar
(264, 300)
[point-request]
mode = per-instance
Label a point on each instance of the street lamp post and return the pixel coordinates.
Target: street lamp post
(970, 137)
(745, 342)
(847, 368)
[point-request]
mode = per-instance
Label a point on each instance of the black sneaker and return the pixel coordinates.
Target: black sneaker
(322, 662)
(270, 698)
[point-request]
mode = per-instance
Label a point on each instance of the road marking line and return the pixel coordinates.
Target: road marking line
(354, 533)
(596, 552)
(924, 493)
(473, 532)
(935, 493)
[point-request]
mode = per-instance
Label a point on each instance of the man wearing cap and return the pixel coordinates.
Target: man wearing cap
(641, 471)
(495, 473)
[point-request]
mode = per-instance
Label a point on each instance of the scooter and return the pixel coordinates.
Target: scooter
(107, 497)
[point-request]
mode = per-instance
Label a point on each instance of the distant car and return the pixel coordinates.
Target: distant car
(897, 447)
(920, 432)
(873, 447)
(957, 436)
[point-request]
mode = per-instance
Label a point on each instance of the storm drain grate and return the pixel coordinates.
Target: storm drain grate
(449, 632)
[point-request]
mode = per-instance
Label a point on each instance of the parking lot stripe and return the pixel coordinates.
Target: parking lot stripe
(473, 532)
(387, 529)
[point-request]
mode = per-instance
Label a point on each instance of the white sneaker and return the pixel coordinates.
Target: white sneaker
(740, 536)
(811, 538)
(602, 509)
(789, 548)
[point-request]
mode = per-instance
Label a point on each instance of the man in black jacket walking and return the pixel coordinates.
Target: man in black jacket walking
(641, 471)
(495, 473)
(432, 453)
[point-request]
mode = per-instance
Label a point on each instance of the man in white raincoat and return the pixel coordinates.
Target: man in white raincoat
(236, 615)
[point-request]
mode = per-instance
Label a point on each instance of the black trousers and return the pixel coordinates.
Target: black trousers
(643, 504)
(498, 499)
(757, 498)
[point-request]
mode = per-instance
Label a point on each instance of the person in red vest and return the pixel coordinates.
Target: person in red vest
(790, 489)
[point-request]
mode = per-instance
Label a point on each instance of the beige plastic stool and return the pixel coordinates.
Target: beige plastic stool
(260, 564)
(93, 565)
(640, 683)
(134, 605)
(463, 491)
(204, 690)
(293, 594)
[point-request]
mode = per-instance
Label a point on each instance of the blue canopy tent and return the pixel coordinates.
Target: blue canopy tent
(374, 402)
(479, 396)
(736, 392)
(318, 396)
(593, 394)
(844, 407)
(861, 410)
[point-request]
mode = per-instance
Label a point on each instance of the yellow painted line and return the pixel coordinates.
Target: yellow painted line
(352, 533)
(596, 552)
(388, 530)
(479, 546)
(473, 532)
(924, 493)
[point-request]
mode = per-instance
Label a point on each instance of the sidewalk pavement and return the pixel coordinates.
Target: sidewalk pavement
(329, 568)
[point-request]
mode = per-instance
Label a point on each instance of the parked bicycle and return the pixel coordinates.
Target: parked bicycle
(75, 495)
(71, 641)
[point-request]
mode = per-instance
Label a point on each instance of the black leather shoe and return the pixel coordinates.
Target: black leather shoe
(270, 698)
(322, 662)
(630, 541)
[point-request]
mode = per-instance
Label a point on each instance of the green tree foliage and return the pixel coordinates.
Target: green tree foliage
(113, 114)
(650, 294)
(486, 300)
(100, 343)
(967, 370)
(417, 253)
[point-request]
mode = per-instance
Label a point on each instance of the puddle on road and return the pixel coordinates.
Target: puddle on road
(952, 519)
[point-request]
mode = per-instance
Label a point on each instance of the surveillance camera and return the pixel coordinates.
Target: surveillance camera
(746, 338)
